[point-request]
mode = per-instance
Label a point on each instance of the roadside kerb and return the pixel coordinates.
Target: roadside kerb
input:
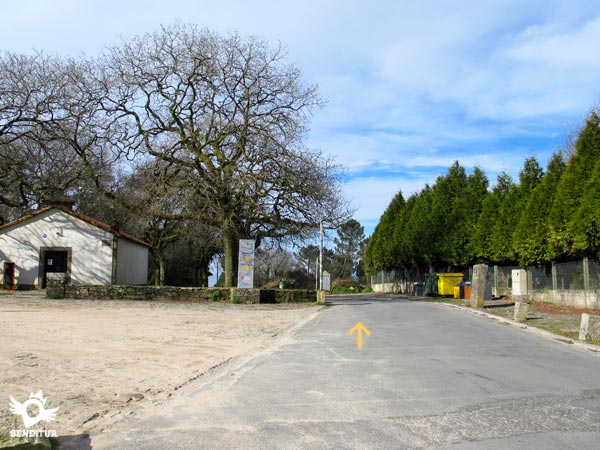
(537, 331)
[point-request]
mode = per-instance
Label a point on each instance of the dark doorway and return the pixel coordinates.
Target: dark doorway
(55, 261)
(9, 276)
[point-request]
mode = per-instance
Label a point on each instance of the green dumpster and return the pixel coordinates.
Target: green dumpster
(431, 284)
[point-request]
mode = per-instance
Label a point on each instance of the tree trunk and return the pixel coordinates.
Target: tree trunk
(156, 261)
(161, 272)
(230, 258)
(202, 272)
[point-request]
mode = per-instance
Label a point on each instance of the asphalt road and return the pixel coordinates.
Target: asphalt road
(429, 376)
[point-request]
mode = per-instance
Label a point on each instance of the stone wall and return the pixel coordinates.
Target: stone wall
(288, 296)
(576, 298)
(245, 295)
(397, 287)
(136, 293)
(57, 289)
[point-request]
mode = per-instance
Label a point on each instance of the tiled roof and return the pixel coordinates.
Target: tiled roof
(90, 220)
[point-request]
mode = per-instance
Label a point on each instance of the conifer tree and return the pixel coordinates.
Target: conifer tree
(492, 237)
(571, 189)
(379, 251)
(421, 231)
(585, 224)
(530, 240)
(449, 215)
(507, 217)
(477, 191)
(403, 248)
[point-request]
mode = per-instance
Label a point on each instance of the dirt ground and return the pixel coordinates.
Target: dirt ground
(562, 320)
(100, 360)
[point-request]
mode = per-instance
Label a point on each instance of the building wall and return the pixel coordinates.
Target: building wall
(91, 248)
(132, 263)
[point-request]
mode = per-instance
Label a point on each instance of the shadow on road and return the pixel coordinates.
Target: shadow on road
(78, 442)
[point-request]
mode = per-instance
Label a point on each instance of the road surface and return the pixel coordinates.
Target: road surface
(429, 376)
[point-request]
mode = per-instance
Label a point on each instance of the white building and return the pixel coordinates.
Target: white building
(56, 239)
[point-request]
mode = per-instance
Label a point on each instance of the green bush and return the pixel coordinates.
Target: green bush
(217, 295)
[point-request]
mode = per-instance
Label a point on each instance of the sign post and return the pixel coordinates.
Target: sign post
(246, 264)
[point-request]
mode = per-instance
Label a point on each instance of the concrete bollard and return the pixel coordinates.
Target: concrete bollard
(320, 297)
(519, 285)
(478, 285)
(589, 330)
(521, 309)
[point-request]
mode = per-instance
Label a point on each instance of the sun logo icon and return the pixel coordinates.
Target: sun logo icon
(34, 400)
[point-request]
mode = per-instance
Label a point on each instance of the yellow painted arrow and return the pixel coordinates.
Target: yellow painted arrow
(359, 328)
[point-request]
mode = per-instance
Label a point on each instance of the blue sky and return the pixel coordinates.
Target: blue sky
(411, 85)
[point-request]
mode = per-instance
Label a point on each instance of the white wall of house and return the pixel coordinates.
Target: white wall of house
(91, 247)
(132, 263)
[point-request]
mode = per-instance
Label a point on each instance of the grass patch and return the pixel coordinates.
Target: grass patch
(217, 296)
(569, 334)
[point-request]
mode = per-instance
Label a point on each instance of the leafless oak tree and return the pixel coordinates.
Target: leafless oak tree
(227, 115)
(54, 138)
(220, 120)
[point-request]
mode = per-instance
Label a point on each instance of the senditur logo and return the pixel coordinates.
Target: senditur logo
(37, 401)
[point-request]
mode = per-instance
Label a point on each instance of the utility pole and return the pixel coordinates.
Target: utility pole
(321, 256)
(321, 294)
(316, 274)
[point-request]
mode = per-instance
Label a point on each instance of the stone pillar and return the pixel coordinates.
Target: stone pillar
(478, 286)
(589, 329)
(521, 311)
(55, 285)
(321, 297)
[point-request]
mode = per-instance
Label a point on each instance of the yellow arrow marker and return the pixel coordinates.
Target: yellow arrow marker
(359, 328)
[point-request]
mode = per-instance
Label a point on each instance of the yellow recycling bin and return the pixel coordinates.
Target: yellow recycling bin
(446, 282)
(457, 290)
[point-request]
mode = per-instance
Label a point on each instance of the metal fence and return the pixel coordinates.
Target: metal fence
(502, 279)
(398, 281)
(539, 278)
(583, 275)
(594, 274)
(396, 276)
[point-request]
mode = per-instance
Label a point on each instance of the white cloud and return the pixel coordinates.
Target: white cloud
(412, 86)
(574, 49)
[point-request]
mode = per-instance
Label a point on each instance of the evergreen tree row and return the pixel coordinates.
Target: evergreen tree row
(546, 216)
